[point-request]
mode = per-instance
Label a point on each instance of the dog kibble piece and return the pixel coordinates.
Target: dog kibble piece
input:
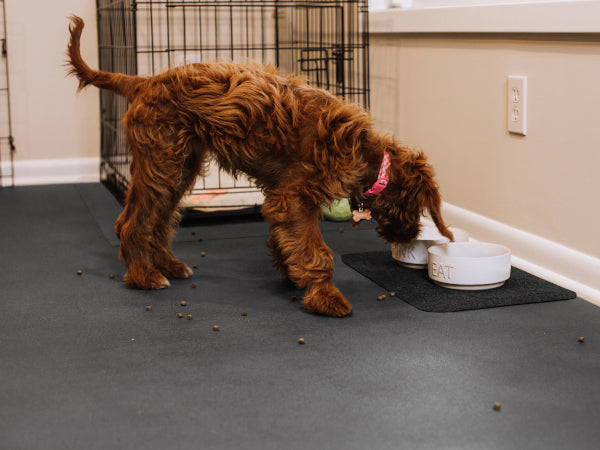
(193, 233)
(244, 313)
(496, 406)
(189, 317)
(294, 298)
(194, 285)
(199, 239)
(392, 294)
(148, 308)
(301, 341)
(202, 254)
(341, 230)
(216, 328)
(183, 303)
(111, 276)
(195, 266)
(79, 272)
(581, 339)
(179, 315)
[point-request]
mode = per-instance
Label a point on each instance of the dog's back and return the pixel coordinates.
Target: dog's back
(229, 83)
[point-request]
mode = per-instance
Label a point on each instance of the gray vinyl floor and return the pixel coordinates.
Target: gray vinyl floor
(83, 365)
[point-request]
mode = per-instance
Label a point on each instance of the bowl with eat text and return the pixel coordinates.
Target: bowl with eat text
(414, 254)
(469, 265)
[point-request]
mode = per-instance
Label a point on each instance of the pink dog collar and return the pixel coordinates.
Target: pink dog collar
(382, 178)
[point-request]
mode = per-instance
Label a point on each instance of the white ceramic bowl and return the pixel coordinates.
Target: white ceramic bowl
(414, 254)
(469, 265)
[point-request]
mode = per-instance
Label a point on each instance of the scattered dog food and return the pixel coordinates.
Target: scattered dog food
(202, 254)
(179, 315)
(392, 294)
(194, 285)
(189, 317)
(301, 341)
(496, 406)
(183, 303)
(341, 230)
(111, 276)
(581, 339)
(79, 272)
(193, 233)
(148, 308)
(199, 239)
(244, 313)
(195, 266)
(216, 328)
(380, 297)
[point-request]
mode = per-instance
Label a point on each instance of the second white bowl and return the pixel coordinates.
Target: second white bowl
(469, 265)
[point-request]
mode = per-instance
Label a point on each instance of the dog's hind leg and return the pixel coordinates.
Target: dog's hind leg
(134, 227)
(164, 229)
(300, 252)
(146, 225)
(164, 259)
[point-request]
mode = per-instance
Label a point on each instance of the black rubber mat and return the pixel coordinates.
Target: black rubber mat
(416, 288)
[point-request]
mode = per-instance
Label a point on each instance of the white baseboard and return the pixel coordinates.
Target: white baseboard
(546, 259)
(52, 171)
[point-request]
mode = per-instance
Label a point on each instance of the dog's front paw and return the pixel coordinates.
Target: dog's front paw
(326, 299)
(176, 269)
(151, 280)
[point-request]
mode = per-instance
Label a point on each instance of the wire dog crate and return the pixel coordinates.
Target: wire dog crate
(324, 40)
(7, 146)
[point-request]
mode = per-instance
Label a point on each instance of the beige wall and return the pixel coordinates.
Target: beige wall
(446, 94)
(49, 120)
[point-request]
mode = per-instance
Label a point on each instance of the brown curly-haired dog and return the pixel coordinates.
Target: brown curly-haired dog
(301, 145)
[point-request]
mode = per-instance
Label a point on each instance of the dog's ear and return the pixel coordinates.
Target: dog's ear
(433, 205)
(412, 171)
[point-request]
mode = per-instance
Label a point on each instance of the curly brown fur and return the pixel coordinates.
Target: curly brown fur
(301, 145)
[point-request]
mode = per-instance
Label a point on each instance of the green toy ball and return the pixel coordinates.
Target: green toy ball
(339, 210)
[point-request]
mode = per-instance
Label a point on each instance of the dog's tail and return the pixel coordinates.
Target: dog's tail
(432, 199)
(124, 85)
